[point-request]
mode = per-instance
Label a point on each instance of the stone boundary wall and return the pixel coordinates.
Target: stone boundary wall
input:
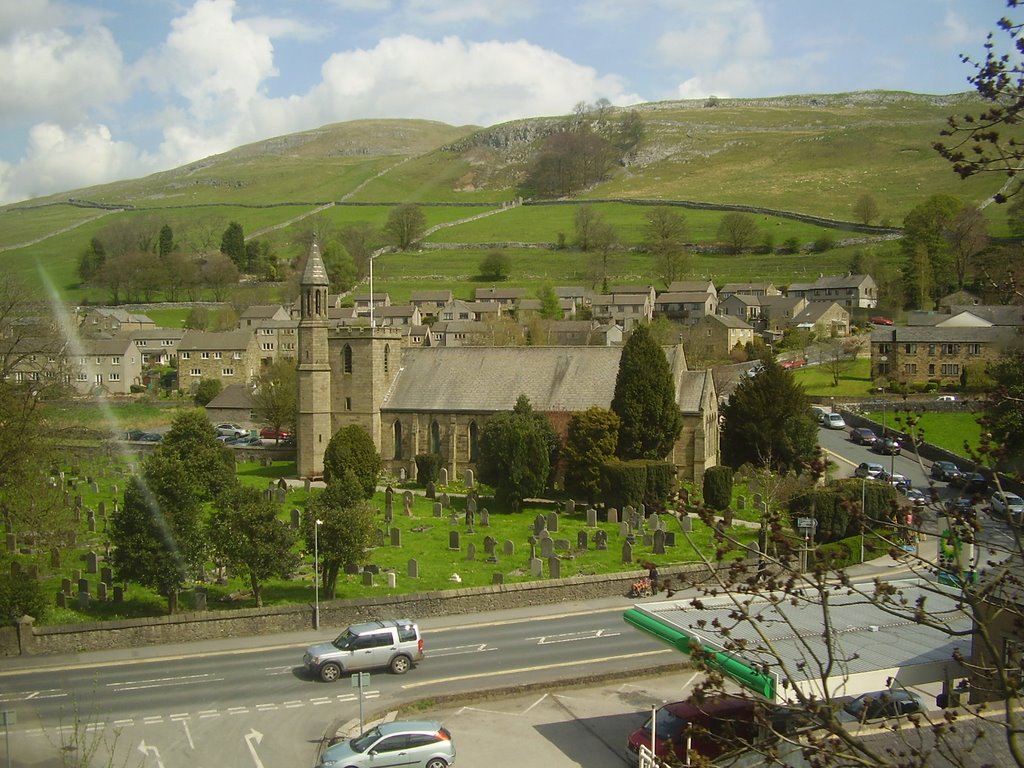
(28, 640)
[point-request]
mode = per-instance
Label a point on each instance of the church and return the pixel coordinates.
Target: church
(438, 399)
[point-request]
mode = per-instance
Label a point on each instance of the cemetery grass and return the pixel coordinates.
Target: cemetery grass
(424, 538)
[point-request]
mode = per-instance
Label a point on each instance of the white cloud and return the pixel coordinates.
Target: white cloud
(453, 12)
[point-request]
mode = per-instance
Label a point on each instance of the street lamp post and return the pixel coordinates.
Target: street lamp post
(316, 574)
(863, 513)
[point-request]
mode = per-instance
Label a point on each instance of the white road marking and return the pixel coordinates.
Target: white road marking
(569, 637)
(163, 682)
(238, 710)
(209, 713)
(458, 650)
(49, 693)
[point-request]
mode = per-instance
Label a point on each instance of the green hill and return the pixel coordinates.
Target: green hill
(804, 154)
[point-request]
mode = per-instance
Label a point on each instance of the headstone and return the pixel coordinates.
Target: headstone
(372, 568)
(758, 500)
(553, 522)
(446, 500)
(402, 474)
(12, 543)
(562, 545)
(471, 551)
(538, 524)
(648, 540)
(101, 508)
(601, 539)
(438, 510)
(471, 504)
(367, 579)
(485, 518)
(581, 540)
(15, 568)
(686, 524)
(55, 559)
(296, 519)
(351, 569)
(307, 484)
(106, 574)
(62, 600)
(467, 478)
(92, 522)
(83, 586)
(536, 567)
(570, 507)
(379, 537)
(623, 529)
(413, 568)
(83, 601)
(76, 574)
(591, 518)
(509, 548)
(392, 579)
(547, 548)
(442, 476)
(118, 593)
(470, 518)
(407, 503)
(497, 578)
(554, 568)
(659, 542)
(670, 538)
(65, 586)
(741, 502)
(396, 537)
(453, 540)
(627, 552)
(389, 501)
(280, 495)
(489, 543)
(92, 562)
(684, 496)
(613, 515)
(94, 487)
(653, 523)
(200, 598)
(430, 491)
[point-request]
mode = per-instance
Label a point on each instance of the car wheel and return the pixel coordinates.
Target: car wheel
(437, 762)
(400, 664)
(330, 672)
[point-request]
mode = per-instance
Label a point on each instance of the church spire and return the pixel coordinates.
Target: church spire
(314, 273)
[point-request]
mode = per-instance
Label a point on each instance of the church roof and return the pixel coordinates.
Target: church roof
(314, 273)
(490, 379)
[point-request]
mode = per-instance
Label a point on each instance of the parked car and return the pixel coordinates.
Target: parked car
(393, 643)
(150, 437)
(245, 440)
(879, 320)
(834, 421)
(946, 398)
(709, 729)
(945, 470)
(231, 430)
(972, 482)
(269, 433)
(887, 446)
(879, 705)
(1008, 505)
(863, 436)
(917, 497)
(819, 413)
(134, 434)
(798, 362)
(900, 482)
(869, 470)
(413, 743)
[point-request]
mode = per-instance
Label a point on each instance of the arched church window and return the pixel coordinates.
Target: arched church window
(435, 437)
(346, 359)
(396, 431)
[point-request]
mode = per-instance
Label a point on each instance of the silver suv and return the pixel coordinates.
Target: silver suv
(393, 643)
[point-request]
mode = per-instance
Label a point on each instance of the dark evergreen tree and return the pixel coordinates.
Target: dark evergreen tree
(717, 487)
(209, 464)
(645, 400)
(346, 527)
(352, 449)
(1005, 412)
(515, 454)
(591, 441)
(768, 422)
(232, 245)
(165, 242)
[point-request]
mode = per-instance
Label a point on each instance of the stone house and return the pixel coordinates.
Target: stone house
(429, 303)
(258, 314)
(233, 405)
(112, 321)
(423, 400)
(506, 297)
(914, 354)
(578, 333)
(685, 307)
(778, 312)
(459, 310)
(624, 309)
(460, 333)
(277, 340)
(692, 286)
(361, 301)
(748, 289)
(398, 315)
(743, 306)
(573, 293)
(106, 366)
(850, 291)
(159, 346)
(231, 357)
(825, 318)
(713, 337)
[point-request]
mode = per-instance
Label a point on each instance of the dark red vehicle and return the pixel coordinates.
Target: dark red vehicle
(879, 320)
(269, 433)
(708, 729)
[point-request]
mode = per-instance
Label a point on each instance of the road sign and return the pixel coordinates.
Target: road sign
(361, 680)
(806, 522)
(8, 717)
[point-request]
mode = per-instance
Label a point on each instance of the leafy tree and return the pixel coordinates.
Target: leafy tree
(767, 422)
(275, 396)
(990, 141)
(165, 244)
(341, 267)
(360, 239)
(630, 132)
(219, 272)
(515, 454)
(738, 231)
(665, 240)
(645, 400)
(346, 529)
(21, 595)
(592, 437)
(209, 464)
(405, 226)
(928, 267)
(181, 275)
(585, 220)
(550, 307)
(567, 162)
(496, 265)
(90, 262)
(351, 449)
(232, 245)
(1005, 409)
(245, 533)
(206, 390)
(604, 239)
(967, 236)
(866, 208)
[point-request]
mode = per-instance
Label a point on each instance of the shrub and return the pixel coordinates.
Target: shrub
(718, 487)
(428, 467)
(21, 595)
(623, 482)
(207, 390)
(660, 483)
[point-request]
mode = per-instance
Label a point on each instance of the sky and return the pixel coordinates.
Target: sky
(93, 91)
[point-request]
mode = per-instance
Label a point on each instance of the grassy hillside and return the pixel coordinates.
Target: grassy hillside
(808, 154)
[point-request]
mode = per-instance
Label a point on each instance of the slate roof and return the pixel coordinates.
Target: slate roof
(927, 334)
(438, 295)
(314, 273)
(261, 311)
(232, 396)
(210, 340)
(490, 379)
(997, 314)
(730, 321)
(157, 333)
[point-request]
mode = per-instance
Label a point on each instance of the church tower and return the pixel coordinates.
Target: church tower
(313, 430)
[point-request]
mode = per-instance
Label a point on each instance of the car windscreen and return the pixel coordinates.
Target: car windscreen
(668, 725)
(343, 641)
(362, 742)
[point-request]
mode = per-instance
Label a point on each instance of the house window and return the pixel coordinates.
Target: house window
(883, 349)
(910, 349)
(183, 355)
(166, 343)
(951, 349)
(931, 369)
(883, 368)
(115, 360)
(114, 377)
(216, 355)
(195, 372)
(236, 356)
(204, 355)
(396, 435)
(950, 369)
(931, 350)
(267, 346)
(910, 367)
(227, 372)
(974, 349)
(99, 361)
(82, 376)
(140, 342)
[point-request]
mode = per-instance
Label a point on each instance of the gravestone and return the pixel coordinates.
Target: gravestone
(402, 475)
(653, 522)
(76, 574)
(497, 578)
(553, 522)
(430, 492)
(101, 592)
(489, 543)
(509, 548)
(442, 476)
(741, 502)
(367, 579)
(536, 567)
(453, 540)
(307, 484)
(55, 559)
(396, 537)
(102, 508)
(446, 500)
(83, 586)
(570, 507)
(538, 525)
(200, 595)
(65, 586)
(351, 569)
(106, 574)
(562, 545)
(12, 543)
(581, 540)
(648, 540)
(83, 600)
(659, 542)
(627, 552)
(470, 518)
(92, 521)
(438, 509)
(94, 487)
(470, 504)
(392, 579)
(623, 529)
(296, 519)
(554, 568)
(118, 593)
(62, 600)
(547, 548)
(413, 568)
(601, 540)
(613, 515)
(686, 524)
(280, 495)
(758, 500)
(628, 514)
(372, 568)
(670, 538)
(15, 568)
(485, 518)
(92, 562)
(591, 518)
(471, 551)
(379, 537)
(389, 501)
(468, 478)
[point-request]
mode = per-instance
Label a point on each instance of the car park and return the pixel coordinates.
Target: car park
(863, 436)
(412, 743)
(834, 421)
(150, 437)
(231, 430)
(877, 706)
(917, 497)
(245, 440)
(394, 643)
(1008, 505)
(870, 470)
(819, 413)
(900, 482)
(710, 728)
(887, 446)
(972, 482)
(945, 470)
(269, 433)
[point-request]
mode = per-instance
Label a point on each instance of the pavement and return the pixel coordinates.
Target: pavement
(583, 721)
